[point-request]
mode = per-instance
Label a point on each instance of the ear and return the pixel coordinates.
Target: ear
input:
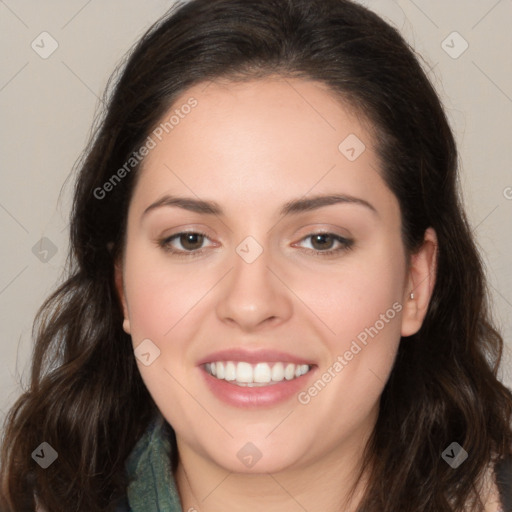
(118, 278)
(420, 282)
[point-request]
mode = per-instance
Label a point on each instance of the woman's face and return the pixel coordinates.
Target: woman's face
(297, 282)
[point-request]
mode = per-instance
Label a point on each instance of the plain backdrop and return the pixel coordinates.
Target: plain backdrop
(58, 55)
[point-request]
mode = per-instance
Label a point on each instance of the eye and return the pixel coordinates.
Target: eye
(190, 241)
(323, 243)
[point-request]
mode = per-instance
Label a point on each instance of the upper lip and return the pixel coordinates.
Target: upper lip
(253, 356)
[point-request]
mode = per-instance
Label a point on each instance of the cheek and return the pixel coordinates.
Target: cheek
(355, 294)
(160, 295)
(161, 300)
(169, 304)
(362, 305)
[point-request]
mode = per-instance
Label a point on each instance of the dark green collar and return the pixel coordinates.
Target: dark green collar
(152, 487)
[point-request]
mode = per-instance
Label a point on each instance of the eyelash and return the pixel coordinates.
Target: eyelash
(346, 244)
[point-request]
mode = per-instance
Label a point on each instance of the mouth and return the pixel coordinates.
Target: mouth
(261, 374)
(245, 378)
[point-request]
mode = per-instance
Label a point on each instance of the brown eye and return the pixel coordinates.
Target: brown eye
(327, 244)
(184, 243)
(322, 241)
(191, 241)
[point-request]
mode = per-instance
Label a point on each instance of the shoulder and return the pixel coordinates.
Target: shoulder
(121, 507)
(496, 487)
(39, 507)
(492, 501)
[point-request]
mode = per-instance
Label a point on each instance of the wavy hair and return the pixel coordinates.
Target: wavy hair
(86, 397)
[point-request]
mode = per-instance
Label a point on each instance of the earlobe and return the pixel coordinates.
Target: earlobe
(420, 284)
(126, 326)
(118, 277)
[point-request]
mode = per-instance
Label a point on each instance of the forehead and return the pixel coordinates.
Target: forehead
(259, 140)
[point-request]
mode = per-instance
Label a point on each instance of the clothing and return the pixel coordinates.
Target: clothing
(152, 487)
(504, 482)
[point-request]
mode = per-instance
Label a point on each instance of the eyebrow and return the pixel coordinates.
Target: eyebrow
(291, 207)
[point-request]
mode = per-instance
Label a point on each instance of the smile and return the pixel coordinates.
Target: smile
(255, 375)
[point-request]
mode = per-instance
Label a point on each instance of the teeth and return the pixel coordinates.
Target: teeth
(220, 370)
(244, 373)
(278, 372)
(289, 371)
(260, 374)
(230, 371)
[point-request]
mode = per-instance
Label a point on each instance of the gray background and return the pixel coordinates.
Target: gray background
(47, 106)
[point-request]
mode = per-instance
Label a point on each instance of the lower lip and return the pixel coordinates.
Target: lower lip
(261, 396)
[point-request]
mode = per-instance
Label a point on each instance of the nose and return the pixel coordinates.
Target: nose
(254, 295)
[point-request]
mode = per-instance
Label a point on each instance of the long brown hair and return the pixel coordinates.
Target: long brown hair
(86, 397)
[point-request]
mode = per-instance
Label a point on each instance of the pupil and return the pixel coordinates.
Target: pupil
(192, 239)
(322, 239)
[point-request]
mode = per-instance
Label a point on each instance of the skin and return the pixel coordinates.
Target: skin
(252, 147)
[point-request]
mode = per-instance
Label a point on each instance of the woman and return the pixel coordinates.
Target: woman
(274, 299)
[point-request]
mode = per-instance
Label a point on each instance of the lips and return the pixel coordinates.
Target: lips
(253, 357)
(244, 380)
